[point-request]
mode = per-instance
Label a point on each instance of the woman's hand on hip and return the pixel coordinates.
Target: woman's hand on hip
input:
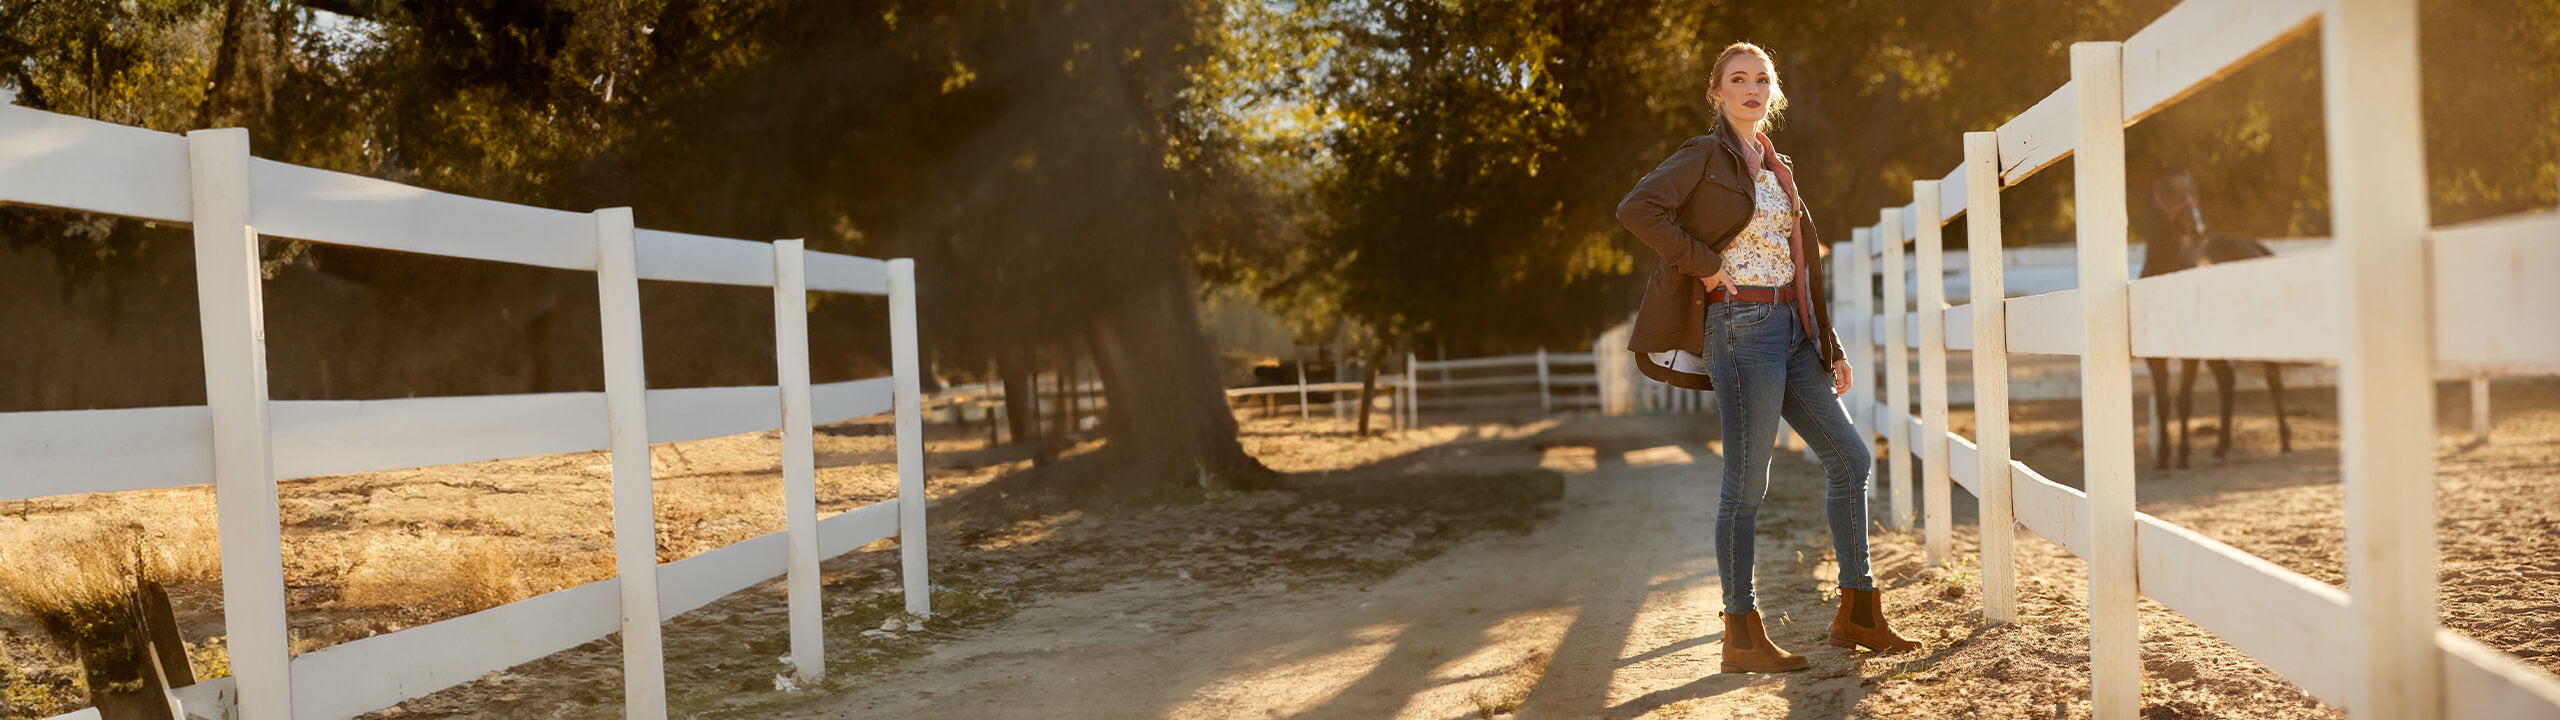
(1841, 377)
(1718, 280)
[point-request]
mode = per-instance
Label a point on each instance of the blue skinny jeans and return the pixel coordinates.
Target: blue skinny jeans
(1765, 369)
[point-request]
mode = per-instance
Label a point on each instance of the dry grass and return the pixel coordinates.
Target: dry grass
(382, 552)
(81, 591)
(453, 574)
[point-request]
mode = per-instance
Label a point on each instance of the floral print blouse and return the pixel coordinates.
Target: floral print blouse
(1759, 255)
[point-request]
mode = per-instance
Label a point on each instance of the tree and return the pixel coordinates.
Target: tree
(1018, 151)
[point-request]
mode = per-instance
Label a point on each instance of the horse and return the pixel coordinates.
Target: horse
(2183, 243)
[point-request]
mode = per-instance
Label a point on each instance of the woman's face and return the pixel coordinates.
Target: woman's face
(1744, 89)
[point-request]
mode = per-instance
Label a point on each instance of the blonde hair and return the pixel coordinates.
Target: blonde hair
(1777, 91)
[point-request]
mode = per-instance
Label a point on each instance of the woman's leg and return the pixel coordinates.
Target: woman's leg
(1817, 415)
(1747, 360)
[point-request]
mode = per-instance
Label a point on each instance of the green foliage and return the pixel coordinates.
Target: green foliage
(1435, 153)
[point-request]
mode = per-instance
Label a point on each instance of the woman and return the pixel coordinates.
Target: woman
(1736, 303)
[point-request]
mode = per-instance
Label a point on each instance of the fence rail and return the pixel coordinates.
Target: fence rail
(2376, 651)
(242, 442)
(1541, 372)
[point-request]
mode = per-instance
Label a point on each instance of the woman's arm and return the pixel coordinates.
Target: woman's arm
(1652, 210)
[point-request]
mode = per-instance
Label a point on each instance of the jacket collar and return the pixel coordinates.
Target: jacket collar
(1731, 139)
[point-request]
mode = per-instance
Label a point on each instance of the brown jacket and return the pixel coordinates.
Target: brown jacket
(1688, 210)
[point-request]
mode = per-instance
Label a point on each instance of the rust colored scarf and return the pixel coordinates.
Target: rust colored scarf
(1795, 232)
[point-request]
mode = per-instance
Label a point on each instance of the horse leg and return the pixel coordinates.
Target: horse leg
(2160, 410)
(2186, 407)
(2226, 385)
(2275, 390)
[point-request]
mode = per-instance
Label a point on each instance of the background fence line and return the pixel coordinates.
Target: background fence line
(2378, 652)
(242, 442)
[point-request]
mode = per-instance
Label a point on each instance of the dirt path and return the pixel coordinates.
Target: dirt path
(1604, 611)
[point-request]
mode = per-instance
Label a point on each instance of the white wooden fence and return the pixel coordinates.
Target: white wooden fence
(2487, 306)
(1542, 378)
(242, 442)
(1342, 396)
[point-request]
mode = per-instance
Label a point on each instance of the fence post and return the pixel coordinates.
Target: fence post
(2480, 408)
(1897, 369)
(1302, 389)
(231, 315)
(1862, 349)
(996, 414)
(799, 457)
(1936, 491)
(1412, 395)
(635, 522)
(1991, 376)
(1599, 381)
(2106, 380)
(1546, 399)
(911, 498)
(2386, 389)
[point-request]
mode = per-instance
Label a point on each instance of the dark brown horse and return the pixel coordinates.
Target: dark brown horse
(2179, 243)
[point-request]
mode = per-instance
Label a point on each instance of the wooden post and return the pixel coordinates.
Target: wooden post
(799, 458)
(1897, 369)
(1860, 284)
(2106, 381)
(1341, 374)
(1412, 395)
(1932, 446)
(1302, 389)
(996, 413)
(908, 388)
(231, 314)
(1599, 380)
(1991, 377)
(2386, 389)
(1546, 398)
(2480, 408)
(635, 522)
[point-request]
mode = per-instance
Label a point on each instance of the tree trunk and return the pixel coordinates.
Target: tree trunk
(1066, 394)
(1021, 406)
(226, 59)
(1170, 424)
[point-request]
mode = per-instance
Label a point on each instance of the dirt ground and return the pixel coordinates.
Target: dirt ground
(2497, 541)
(1547, 569)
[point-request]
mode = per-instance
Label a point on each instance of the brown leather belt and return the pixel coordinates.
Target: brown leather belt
(1753, 294)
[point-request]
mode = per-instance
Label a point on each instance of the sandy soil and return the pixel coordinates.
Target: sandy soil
(1588, 615)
